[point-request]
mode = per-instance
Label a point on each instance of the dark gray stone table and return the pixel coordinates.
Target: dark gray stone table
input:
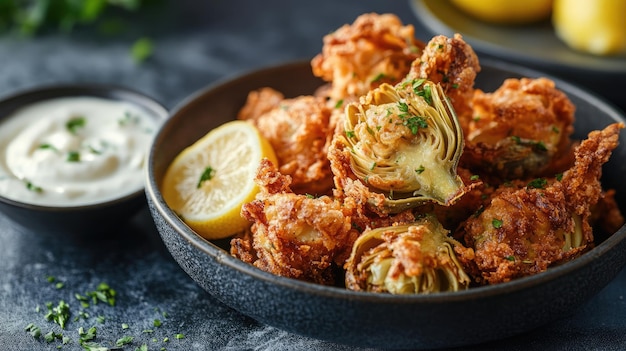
(196, 43)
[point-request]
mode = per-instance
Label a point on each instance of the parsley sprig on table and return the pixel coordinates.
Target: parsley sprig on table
(29, 18)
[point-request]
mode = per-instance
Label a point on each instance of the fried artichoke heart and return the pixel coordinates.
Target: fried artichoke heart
(406, 142)
(521, 130)
(528, 227)
(416, 258)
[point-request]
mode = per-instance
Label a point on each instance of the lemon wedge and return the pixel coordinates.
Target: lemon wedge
(595, 27)
(209, 181)
(506, 12)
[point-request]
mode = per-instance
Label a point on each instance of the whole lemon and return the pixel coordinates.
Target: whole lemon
(506, 11)
(595, 27)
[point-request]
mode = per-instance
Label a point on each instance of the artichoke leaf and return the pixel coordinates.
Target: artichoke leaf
(406, 144)
(415, 258)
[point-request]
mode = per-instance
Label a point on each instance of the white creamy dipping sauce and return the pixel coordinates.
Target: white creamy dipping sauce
(74, 151)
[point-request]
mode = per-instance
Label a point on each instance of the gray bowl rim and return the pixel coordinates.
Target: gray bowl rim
(474, 293)
(57, 90)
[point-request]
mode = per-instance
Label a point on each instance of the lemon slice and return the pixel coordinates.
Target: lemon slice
(209, 181)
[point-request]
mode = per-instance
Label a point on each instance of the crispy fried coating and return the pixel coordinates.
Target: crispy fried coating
(515, 219)
(529, 226)
(299, 130)
(521, 130)
(358, 57)
(293, 235)
(451, 62)
(260, 102)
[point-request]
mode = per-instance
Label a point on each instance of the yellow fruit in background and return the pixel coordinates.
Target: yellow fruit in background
(593, 26)
(510, 12)
(209, 181)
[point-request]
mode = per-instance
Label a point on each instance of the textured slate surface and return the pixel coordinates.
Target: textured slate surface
(196, 43)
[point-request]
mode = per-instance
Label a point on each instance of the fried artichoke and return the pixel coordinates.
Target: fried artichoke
(405, 142)
(416, 258)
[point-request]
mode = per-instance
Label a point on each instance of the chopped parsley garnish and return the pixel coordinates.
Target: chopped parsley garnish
(425, 93)
(474, 177)
(415, 123)
(59, 314)
(538, 183)
(403, 107)
(88, 335)
(51, 336)
(34, 330)
(339, 103)
(510, 258)
(559, 176)
(47, 146)
(103, 293)
(497, 223)
(208, 174)
(350, 133)
(73, 156)
(32, 187)
(420, 169)
(124, 341)
(75, 123)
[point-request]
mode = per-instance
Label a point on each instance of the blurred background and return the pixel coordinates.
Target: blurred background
(170, 48)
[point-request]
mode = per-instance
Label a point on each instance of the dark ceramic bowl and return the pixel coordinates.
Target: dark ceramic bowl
(84, 219)
(368, 319)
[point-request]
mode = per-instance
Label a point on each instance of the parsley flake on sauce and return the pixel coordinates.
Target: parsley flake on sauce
(73, 156)
(74, 124)
(32, 187)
